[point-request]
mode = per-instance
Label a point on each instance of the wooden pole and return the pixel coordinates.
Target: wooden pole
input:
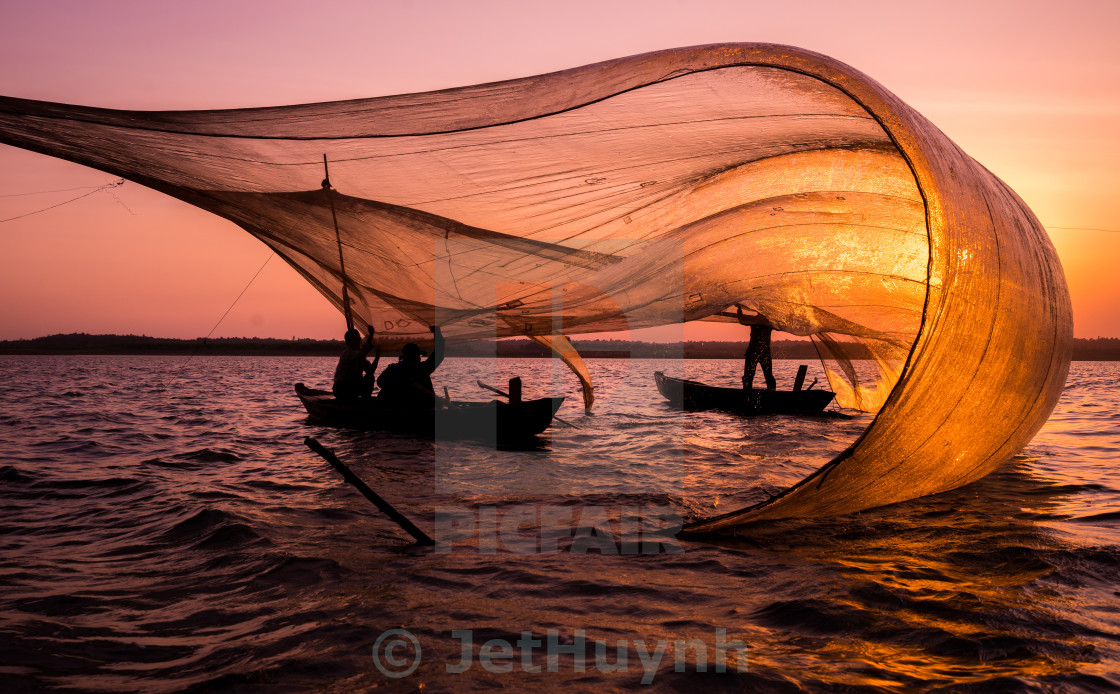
(384, 506)
(800, 380)
(338, 238)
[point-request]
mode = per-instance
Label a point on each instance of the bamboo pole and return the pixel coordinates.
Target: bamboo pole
(384, 506)
(338, 238)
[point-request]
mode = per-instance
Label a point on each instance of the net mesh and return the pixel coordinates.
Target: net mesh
(640, 192)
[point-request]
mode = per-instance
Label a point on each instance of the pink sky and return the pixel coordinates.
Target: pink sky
(1030, 89)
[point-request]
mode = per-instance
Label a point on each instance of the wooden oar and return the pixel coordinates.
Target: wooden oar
(491, 388)
(384, 506)
(447, 397)
(504, 394)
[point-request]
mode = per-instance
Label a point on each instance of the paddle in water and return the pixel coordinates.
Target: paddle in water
(384, 506)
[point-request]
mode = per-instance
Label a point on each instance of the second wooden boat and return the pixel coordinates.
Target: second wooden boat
(693, 395)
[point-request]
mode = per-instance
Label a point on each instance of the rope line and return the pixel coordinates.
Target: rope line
(202, 343)
(107, 186)
(254, 278)
(44, 192)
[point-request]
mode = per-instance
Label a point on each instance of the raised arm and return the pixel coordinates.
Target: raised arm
(367, 344)
(376, 359)
(436, 358)
(744, 319)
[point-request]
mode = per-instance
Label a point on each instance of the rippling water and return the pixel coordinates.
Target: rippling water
(165, 528)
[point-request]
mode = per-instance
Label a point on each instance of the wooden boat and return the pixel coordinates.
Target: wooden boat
(490, 421)
(692, 395)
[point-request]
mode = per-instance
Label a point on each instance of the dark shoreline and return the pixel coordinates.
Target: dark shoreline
(1097, 349)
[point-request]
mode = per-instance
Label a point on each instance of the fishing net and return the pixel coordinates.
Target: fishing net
(647, 191)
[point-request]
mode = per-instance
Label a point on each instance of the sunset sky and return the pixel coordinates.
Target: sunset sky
(1029, 89)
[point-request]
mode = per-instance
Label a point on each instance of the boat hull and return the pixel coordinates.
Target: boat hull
(692, 395)
(495, 420)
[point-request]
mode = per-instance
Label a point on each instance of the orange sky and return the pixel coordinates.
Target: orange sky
(1029, 89)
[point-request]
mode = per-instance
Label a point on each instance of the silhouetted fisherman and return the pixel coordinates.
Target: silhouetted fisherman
(758, 350)
(354, 376)
(408, 383)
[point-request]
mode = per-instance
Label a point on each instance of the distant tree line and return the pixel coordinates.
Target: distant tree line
(1096, 349)
(84, 343)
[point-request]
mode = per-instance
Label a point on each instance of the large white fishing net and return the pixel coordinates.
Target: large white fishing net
(648, 191)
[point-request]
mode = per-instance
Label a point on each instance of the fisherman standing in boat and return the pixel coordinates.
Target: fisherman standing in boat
(758, 350)
(354, 376)
(408, 383)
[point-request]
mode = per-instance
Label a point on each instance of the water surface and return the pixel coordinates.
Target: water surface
(165, 528)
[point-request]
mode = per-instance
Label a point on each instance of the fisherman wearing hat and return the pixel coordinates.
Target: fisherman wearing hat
(408, 383)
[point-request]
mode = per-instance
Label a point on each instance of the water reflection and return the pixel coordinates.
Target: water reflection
(960, 587)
